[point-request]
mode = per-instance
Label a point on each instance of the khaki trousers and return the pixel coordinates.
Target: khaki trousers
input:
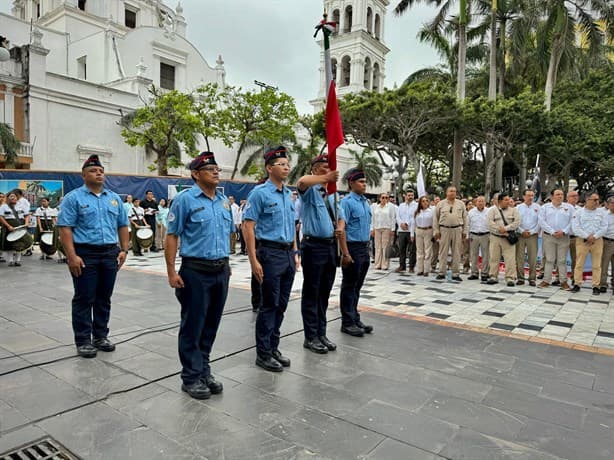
(435, 256)
(479, 243)
(451, 238)
(501, 247)
(555, 250)
(382, 241)
(424, 248)
(607, 259)
(530, 246)
(160, 235)
(582, 249)
(572, 252)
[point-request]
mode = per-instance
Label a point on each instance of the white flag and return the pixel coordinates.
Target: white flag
(420, 184)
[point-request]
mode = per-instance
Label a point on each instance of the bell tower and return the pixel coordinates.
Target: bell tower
(357, 47)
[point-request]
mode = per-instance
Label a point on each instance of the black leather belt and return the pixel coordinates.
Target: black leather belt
(315, 239)
(358, 243)
(205, 265)
(572, 237)
(500, 236)
(452, 226)
(480, 233)
(95, 247)
(608, 239)
(424, 228)
(275, 245)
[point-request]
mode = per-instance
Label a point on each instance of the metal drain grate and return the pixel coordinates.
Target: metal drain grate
(43, 449)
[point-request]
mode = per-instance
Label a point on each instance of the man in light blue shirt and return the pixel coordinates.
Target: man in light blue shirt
(589, 225)
(323, 227)
(202, 218)
(92, 221)
(527, 237)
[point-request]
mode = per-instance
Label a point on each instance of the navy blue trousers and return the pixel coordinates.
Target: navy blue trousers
(353, 278)
(319, 268)
(91, 303)
(202, 302)
(279, 269)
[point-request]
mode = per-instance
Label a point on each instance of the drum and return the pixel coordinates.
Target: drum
(19, 240)
(46, 243)
(145, 237)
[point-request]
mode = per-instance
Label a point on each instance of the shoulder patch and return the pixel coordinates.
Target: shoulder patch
(171, 217)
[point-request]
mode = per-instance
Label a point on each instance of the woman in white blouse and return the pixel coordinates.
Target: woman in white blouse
(422, 231)
(382, 228)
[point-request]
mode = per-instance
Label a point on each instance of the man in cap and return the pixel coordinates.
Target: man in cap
(202, 218)
(269, 234)
(356, 261)
(92, 222)
(323, 227)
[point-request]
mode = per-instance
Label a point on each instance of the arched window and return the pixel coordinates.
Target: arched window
(369, 20)
(377, 26)
(376, 77)
(367, 75)
(333, 63)
(337, 20)
(345, 70)
(347, 25)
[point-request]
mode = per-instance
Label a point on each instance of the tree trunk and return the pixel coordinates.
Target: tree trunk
(490, 172)
(162, 163)
(457, 159)
(522, 186)
(503, 45)
(552, 70)
(492, 82)
(236, 166)
(499, 173)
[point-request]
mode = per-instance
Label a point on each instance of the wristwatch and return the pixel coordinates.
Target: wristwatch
(124, 251)
(296, 252)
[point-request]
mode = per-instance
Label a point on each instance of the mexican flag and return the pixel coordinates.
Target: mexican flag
(334, 130)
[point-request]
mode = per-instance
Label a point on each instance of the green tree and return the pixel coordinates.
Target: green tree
(365, 160)
(10, 145)
(257, 118)
(313, 129)
(165, 122)
(208, 106)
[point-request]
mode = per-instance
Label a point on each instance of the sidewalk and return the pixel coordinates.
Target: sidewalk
(412, 390)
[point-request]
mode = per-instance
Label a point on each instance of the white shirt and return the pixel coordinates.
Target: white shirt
(588, 222)
(7, 212)
(23, 204)
(383, 217)
(424, 219)
(477, 221)
(553, 219)
(405, 215)
(236, 214)
(529, 218)
(46, 213)
(137, 213)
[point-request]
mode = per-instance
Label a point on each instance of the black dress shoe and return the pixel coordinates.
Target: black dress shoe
(596, 291)
(575, 288)
(473, 277)
(365, 327)
(269, 363)
(603, 289)
(328, 344)
(532, 283)
(484, 278)
(104, 344)
(354, 331)
(197, 390)
(491, 281)
(519, 282)
(456, 278)
(285, 362)
(440, 277)
(556, 283)
(87, 350)
(540, 276)
(510, 284)
(315, 345)
(214, 386)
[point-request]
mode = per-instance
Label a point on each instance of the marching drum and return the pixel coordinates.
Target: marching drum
(19, 240)
(145, 237)
(46, 243)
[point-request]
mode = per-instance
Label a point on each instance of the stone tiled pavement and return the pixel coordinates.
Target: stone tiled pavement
(411, 390)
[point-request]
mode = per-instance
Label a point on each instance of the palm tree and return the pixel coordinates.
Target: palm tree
(370, 165)
(10, 145)
(563, 19)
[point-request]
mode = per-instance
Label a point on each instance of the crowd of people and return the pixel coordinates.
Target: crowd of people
(282, 230)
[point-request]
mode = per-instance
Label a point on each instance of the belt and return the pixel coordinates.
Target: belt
(608, 239)
(424, 228)
(359, 243)
(480, 233)
(500, 236)
(315, 239)
(205, 265)
(572, 236)
(450, 226)
(550, 234)
(275, 245)
(95, 247)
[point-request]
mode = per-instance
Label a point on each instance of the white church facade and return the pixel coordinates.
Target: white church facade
(77, 64)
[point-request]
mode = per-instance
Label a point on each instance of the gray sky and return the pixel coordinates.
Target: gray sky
(272, 41)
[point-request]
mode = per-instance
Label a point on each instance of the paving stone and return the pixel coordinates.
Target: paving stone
(390, 449)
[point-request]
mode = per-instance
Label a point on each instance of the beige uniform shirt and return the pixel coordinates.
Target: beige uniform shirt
(512, 217)
(450, 215)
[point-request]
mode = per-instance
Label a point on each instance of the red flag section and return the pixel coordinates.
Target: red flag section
(334, 132)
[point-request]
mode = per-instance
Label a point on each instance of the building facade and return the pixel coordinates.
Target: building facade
(77, 65)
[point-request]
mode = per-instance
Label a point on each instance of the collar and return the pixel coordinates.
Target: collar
(87, 190)
(273, 188)
(197, 191)
(358, 197)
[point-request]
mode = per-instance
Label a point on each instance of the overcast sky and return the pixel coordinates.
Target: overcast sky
(272, 41)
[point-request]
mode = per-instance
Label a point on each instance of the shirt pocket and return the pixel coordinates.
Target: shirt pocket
(88, 217)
